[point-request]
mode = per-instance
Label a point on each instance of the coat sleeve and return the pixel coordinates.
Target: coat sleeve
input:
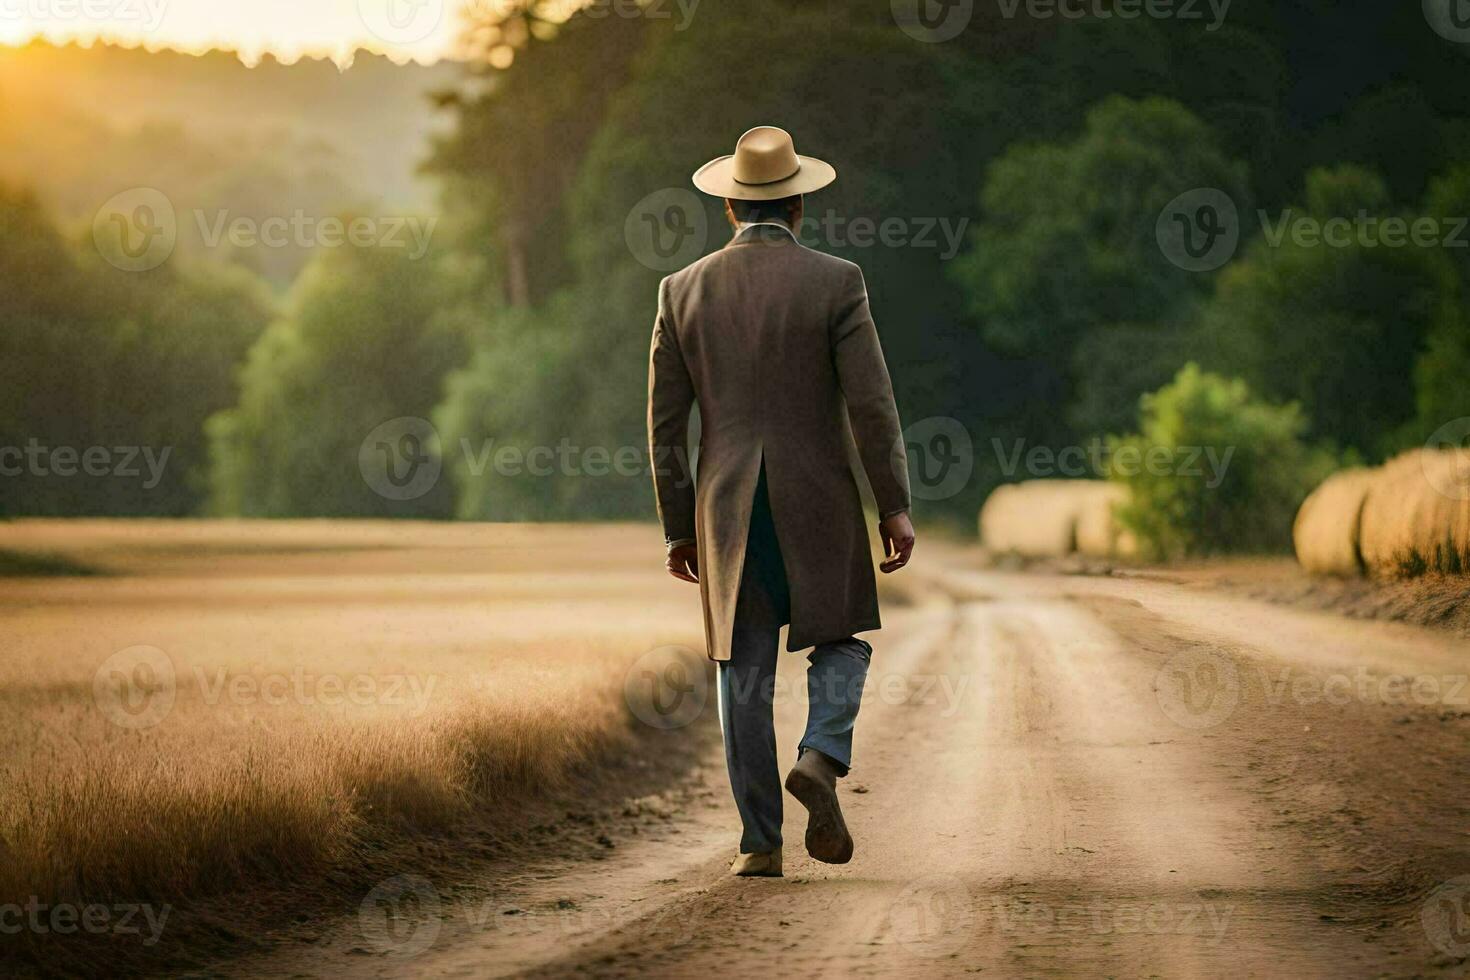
(670, 401)
(863, 375)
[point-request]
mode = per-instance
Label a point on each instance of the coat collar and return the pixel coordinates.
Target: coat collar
(763, 233)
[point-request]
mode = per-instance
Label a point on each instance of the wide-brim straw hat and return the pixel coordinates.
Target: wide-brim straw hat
(764, 167)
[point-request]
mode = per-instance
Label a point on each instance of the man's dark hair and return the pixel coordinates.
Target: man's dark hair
(777, 210)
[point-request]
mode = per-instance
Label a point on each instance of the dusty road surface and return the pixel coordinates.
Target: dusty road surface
(1053, 776)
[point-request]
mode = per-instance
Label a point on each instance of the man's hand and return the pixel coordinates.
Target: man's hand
(898, 541)
(683, 562)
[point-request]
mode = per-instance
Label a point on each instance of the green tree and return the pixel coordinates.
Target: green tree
(1213, 468)
(1061, 314)
(528, 424)
(1442, 372)
(124, 365)
(1333, 316)
(367, 338)
(1066, 253)
(685, 99)
(520, 139)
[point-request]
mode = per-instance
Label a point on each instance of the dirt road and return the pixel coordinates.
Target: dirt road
(1053, 776)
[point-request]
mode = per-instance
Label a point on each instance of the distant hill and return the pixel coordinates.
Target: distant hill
(83, 124)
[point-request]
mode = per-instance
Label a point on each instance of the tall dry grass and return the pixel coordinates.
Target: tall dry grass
(486, 690)
(212, 802)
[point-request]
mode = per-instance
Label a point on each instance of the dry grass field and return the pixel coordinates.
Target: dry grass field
(202, 709)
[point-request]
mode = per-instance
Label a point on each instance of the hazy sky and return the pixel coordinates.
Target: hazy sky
(422, 29)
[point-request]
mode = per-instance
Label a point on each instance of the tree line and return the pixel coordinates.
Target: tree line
(1059, 146)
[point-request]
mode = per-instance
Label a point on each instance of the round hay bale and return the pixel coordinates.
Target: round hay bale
(1326, 532)
(1051, 518)
(1416, 517)
(1026, 519)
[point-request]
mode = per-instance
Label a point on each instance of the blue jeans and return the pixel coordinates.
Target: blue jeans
(834, 681)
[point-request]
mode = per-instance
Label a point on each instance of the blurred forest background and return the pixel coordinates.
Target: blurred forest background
(1060, 320)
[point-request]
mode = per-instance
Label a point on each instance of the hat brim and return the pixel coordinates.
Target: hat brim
(718, 178)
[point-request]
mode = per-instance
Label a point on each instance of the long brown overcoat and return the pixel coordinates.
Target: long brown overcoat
(774, 340)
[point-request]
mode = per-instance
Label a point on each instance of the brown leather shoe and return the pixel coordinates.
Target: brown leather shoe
(760, 865)
(813, 781)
